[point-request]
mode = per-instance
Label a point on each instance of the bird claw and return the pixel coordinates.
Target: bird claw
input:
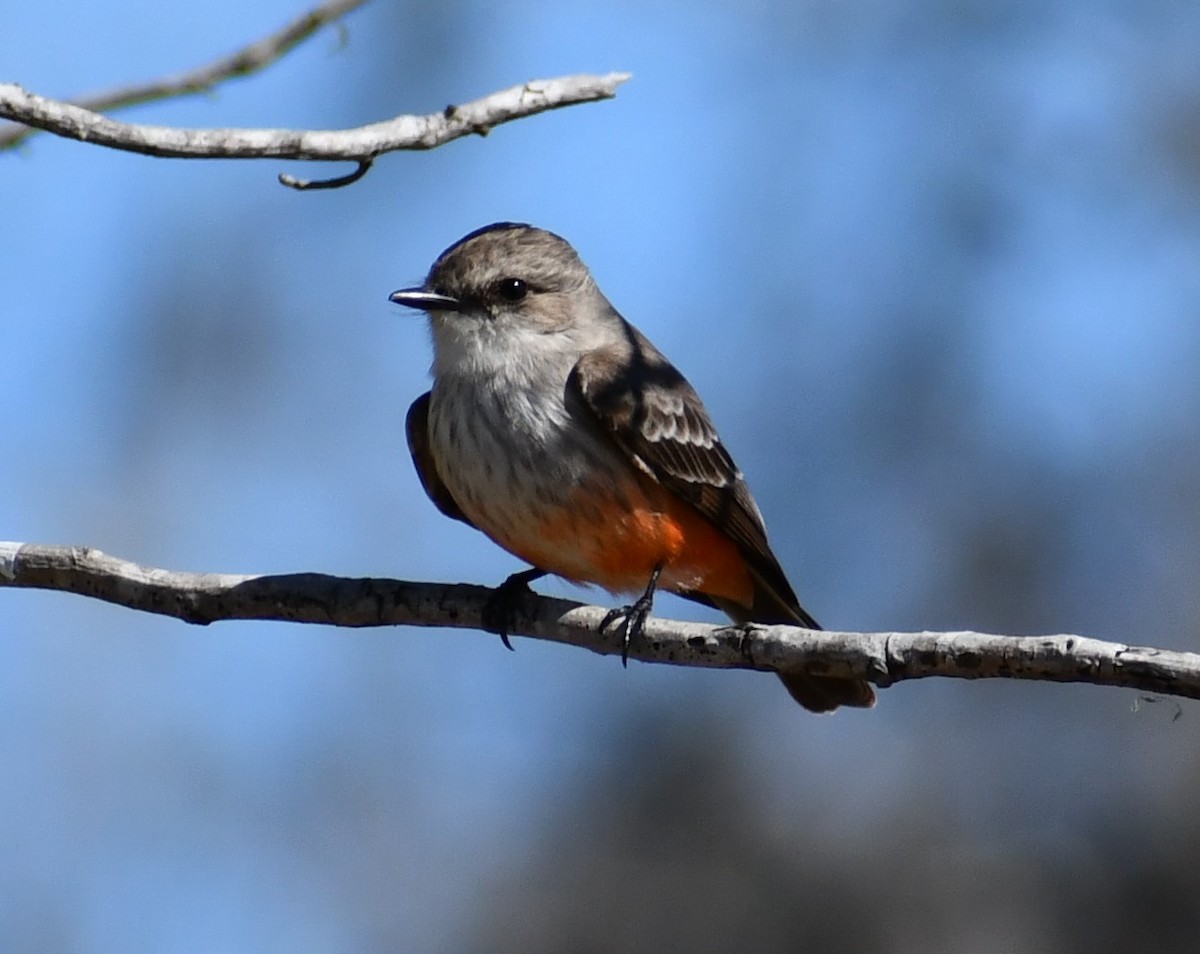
(633, 617)
(500, 611)
(633, 622)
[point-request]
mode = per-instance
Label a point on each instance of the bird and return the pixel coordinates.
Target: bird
(556, 428)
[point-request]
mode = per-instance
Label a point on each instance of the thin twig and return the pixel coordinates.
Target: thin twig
(360, 145)
(249, 59)
(303, 185)
(883, 658)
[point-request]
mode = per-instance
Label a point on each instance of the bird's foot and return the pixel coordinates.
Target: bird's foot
(500, 611)
(632, 617)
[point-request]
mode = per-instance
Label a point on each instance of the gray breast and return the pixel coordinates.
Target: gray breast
(513, 455)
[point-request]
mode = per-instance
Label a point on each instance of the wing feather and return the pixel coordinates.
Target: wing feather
(416, 428)
(651, 411)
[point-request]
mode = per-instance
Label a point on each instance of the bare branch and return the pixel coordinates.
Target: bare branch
(360, 145)
(249, 59)
(883, 658)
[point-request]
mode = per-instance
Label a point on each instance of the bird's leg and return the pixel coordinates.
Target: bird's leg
(501, 608)
(633, 617)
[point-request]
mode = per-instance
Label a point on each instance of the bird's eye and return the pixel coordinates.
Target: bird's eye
(512, 289)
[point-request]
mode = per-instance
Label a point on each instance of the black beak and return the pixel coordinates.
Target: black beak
(425, 300)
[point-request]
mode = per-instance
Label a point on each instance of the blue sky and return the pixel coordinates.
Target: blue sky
(932, 267)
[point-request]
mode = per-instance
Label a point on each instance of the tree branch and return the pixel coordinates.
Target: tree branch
(249, 59)
(360, 145)
(883, 658)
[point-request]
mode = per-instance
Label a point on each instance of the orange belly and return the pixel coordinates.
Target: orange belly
(615, 540)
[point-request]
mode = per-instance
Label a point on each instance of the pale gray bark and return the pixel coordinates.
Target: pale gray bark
(362, 144)
(82, 119)
(883, 658)
(249, 59)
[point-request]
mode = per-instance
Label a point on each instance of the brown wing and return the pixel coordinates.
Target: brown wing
(637, 396)
(656, 417)
(416, 426)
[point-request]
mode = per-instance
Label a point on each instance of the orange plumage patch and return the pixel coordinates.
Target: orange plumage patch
(616, 540)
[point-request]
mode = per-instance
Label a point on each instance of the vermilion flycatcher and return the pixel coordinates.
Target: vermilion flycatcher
(560, 431)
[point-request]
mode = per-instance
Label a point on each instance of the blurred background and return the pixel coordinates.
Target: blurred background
(934, 268)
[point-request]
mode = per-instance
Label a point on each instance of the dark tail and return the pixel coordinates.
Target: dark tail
(815, 693)
(825, 693)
